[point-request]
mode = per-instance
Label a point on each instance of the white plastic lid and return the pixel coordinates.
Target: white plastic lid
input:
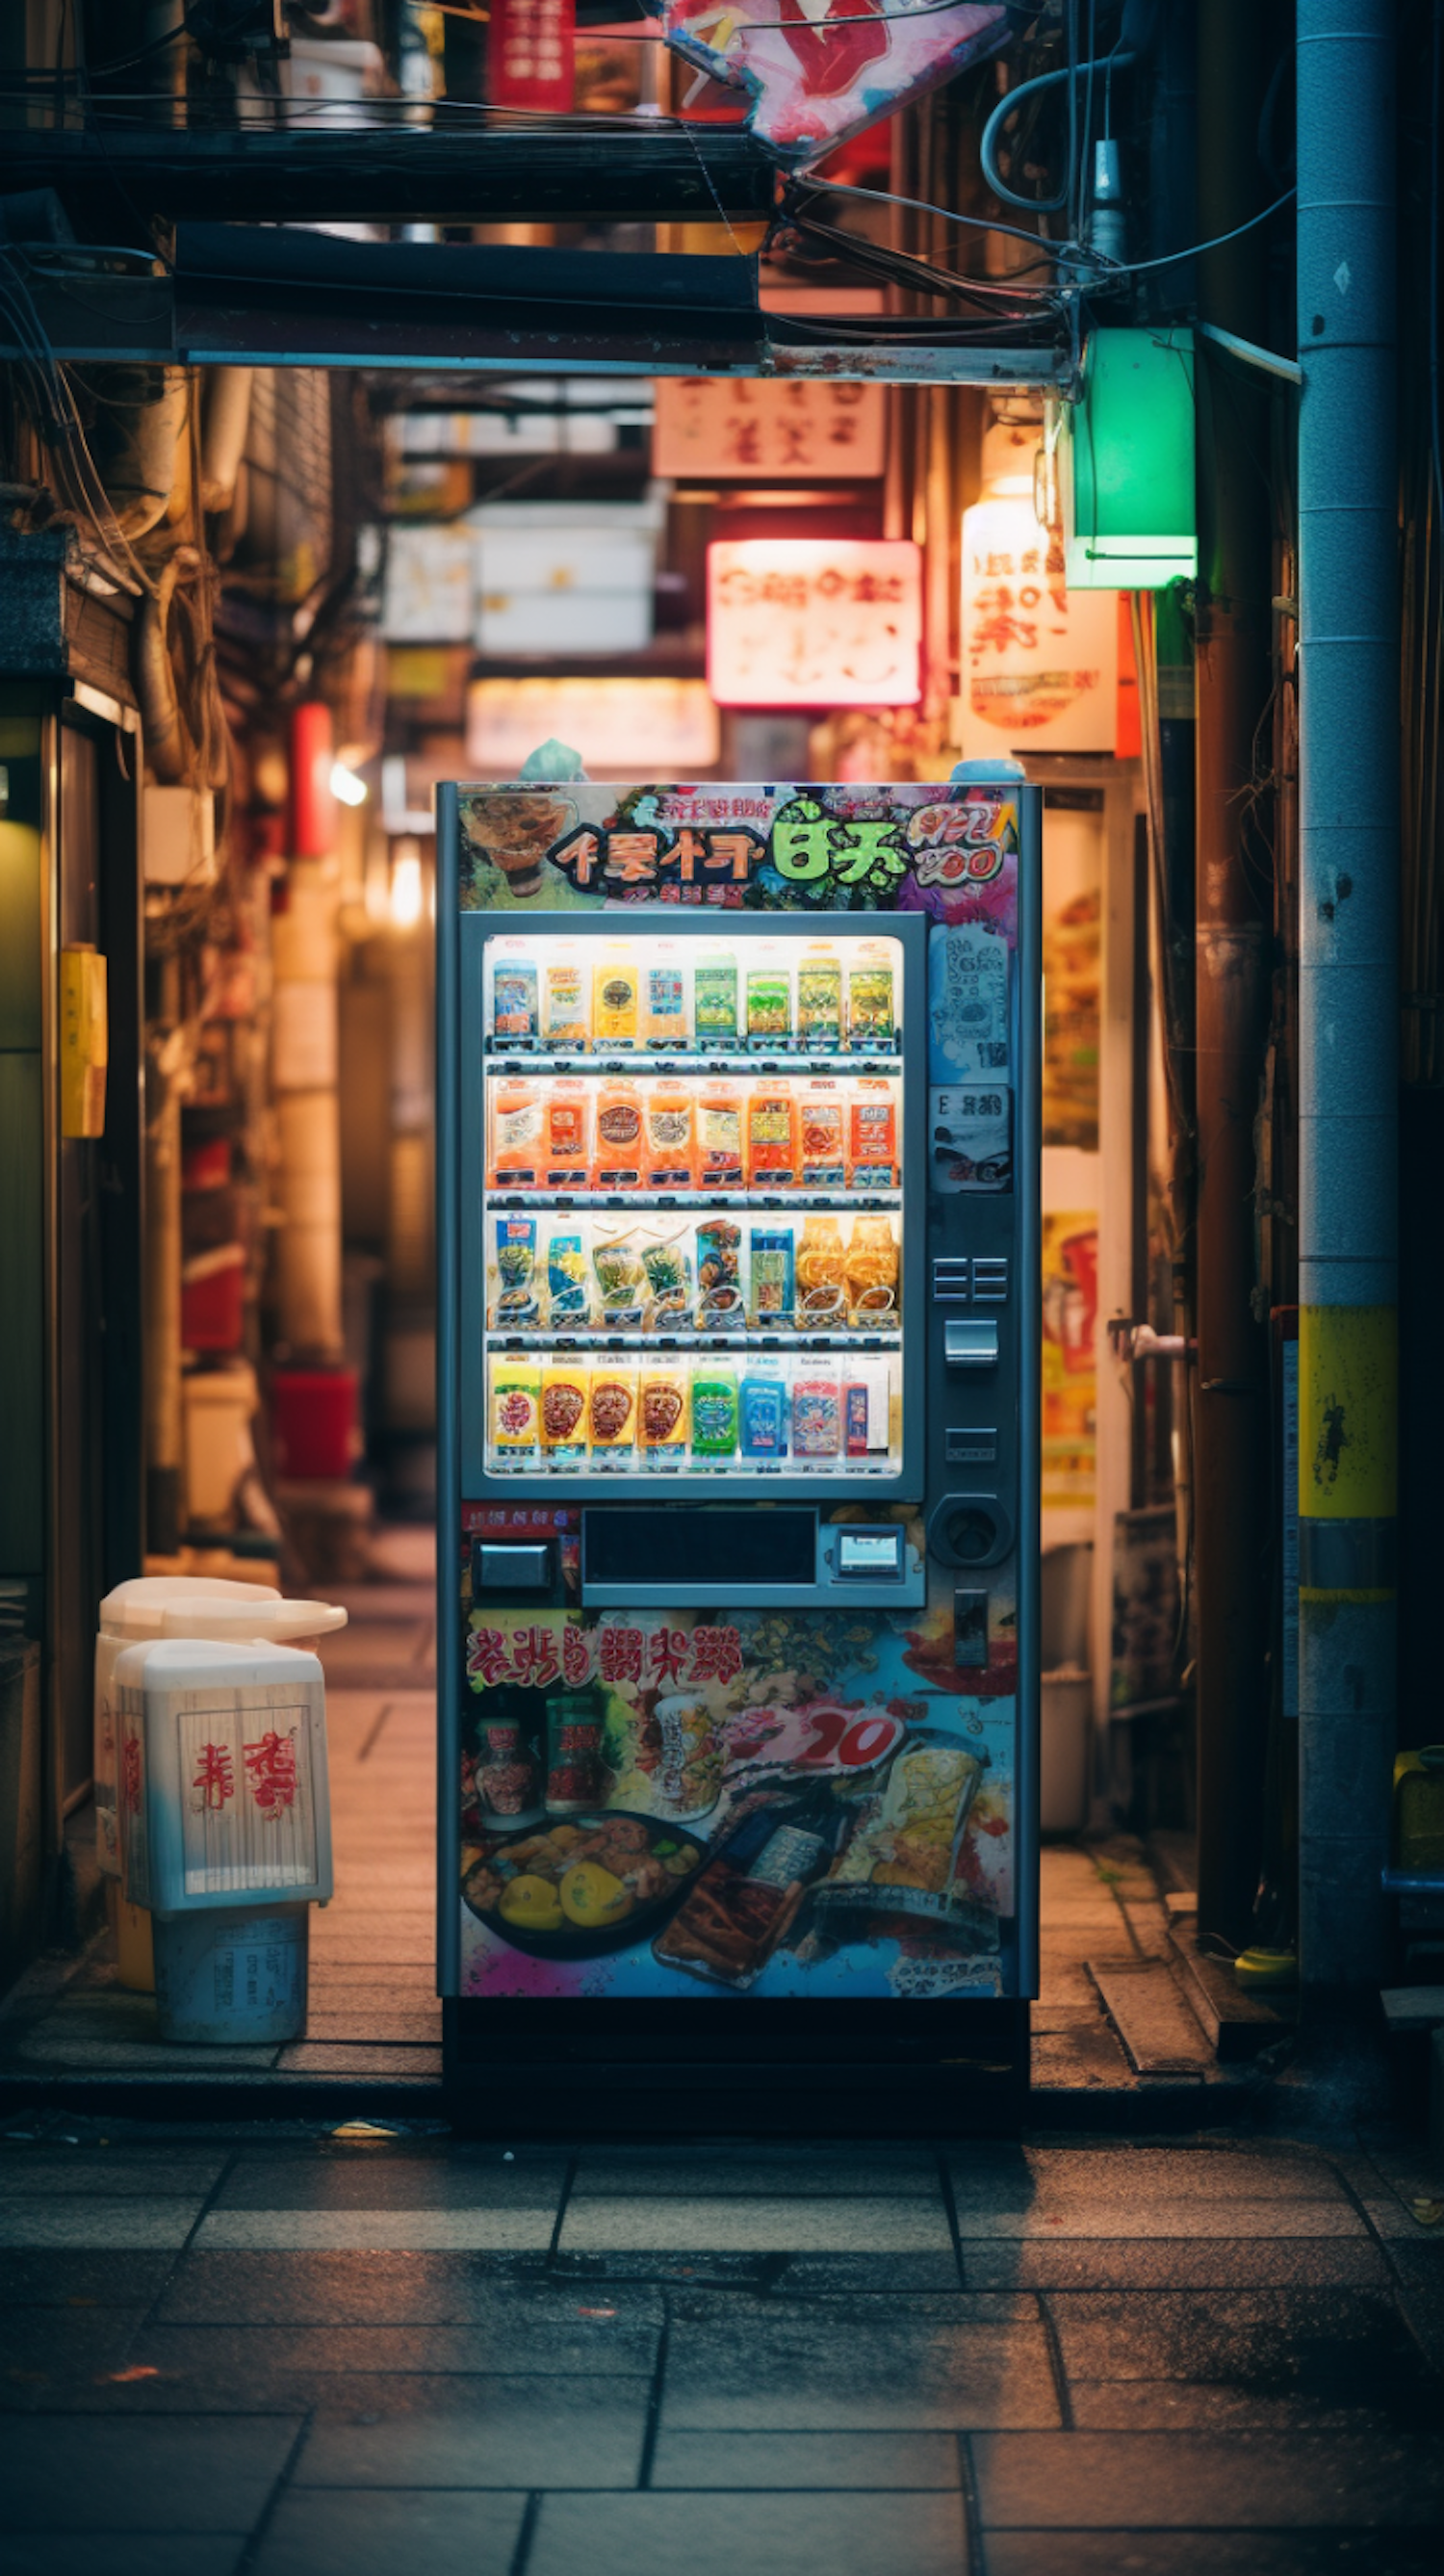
(243, 1622)
(137, 1608)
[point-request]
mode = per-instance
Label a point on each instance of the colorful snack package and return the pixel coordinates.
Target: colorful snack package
(612, 1414)
(564, 1005)
(516, 1302)
(719, 1295)
(714, 1410)
(662, 1415)
(616, 1003)
(872, 1143)
(514, 1001)
(871, 1012)
(565, 1388)
(770, 1276)
(514, 1410)
(819, 1000)
(816, 1417)
(823, 1134)
(568, 1297)
(669, 1277)
(870, 1272)
(714, 1001)
(769, 1006)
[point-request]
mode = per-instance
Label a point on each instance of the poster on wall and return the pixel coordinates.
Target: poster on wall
(1070, 1383)
(762, 1801)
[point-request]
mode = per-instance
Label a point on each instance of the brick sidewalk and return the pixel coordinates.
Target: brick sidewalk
(285, 2355)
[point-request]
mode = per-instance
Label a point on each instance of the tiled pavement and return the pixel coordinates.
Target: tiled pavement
(276, 2354)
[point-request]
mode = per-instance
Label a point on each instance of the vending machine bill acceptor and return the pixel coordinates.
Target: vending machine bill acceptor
(738, 1134)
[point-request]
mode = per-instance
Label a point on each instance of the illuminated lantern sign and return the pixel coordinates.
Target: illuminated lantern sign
(1039, 662)
(814, 622)
(796, 431)
(531, 53)
(821, 70)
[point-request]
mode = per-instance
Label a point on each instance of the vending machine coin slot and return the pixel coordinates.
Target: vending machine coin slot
(971, 1448)
(970, 1344)
(950, 1281)
(970, 1630)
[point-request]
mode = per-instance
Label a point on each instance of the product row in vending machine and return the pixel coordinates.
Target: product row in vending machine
(679, 1131)
(824, 1272)
(787, 995)
(615, 1413)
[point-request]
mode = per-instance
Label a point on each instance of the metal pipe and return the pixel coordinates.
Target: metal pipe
(1229, 1391)
(1349, 714)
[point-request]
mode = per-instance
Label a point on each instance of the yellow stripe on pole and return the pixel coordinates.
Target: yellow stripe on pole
(1348, 1412)
(1348, 1452)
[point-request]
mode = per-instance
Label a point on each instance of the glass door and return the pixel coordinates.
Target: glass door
(695, 1272)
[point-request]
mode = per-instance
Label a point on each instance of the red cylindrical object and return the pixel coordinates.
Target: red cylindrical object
(313, 806)
(313, 1412)
(213, 1299)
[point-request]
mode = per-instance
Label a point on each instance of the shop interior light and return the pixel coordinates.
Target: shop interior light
(1126, 463)
(407, 892)
(346, 787)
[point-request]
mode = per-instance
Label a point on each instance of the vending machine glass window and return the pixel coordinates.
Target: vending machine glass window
(700, 1147)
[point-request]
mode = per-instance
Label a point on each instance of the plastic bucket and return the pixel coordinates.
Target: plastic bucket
(313, 1414)
(233, 1975)
(1064, 1719)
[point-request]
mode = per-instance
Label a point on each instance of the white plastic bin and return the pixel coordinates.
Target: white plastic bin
(226, 1817)
(133, 1611)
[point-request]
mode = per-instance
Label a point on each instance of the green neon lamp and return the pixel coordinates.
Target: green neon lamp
(1126, 463)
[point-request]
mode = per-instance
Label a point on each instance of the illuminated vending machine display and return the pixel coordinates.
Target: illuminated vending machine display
(738, 1187)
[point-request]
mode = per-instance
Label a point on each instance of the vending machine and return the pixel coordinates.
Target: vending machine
(737, 1193)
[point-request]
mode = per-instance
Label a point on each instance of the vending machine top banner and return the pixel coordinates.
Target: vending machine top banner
(950, 851)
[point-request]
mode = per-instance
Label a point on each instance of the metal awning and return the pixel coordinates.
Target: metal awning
(270, 296)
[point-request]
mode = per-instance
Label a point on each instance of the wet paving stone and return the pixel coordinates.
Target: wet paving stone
(714, 2535)
(938, 2364)
(325, 2534)
(1327, 2349)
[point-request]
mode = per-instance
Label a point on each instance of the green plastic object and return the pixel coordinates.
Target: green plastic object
(1126, 464)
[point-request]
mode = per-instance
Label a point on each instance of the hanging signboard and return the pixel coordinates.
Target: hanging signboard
(722, 426)
(531, 46)
(819, 73)
(1039, 662)
(612, 723)
(814, 622)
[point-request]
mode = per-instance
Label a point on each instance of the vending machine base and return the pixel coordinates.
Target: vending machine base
(646, 2072)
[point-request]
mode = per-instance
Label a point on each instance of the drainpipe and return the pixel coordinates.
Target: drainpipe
(1232, 671)
(1349, 717)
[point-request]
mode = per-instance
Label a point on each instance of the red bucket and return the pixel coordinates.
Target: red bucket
(313, 1415)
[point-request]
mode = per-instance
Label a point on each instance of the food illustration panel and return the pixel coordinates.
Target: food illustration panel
(766, 1801)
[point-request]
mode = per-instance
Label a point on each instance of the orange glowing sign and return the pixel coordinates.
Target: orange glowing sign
(814, 622)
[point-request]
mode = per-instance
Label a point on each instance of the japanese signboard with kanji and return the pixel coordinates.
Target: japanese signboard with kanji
(749, 428)
(814, 622)
(1039, 662)
(531, 52)
(817, 71)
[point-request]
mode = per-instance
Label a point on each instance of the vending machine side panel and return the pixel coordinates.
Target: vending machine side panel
(448, 1425)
